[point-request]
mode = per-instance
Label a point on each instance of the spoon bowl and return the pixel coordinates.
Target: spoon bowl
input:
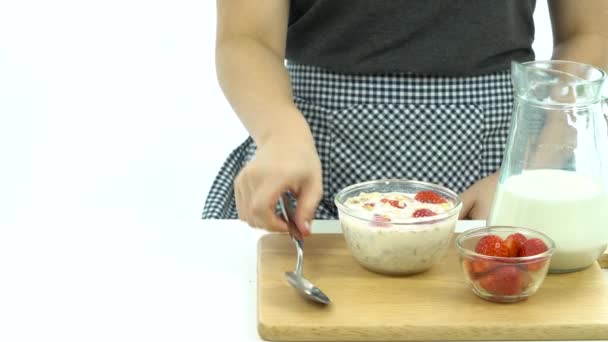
(306, 288)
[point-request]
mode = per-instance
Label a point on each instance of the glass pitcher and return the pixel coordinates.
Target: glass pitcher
(554, 174)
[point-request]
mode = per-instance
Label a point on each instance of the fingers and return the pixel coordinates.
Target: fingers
(480, 211)
(264, 179)
(256, 204)
(468, 202)
(484, 191)
(308, 199)
(263, 210)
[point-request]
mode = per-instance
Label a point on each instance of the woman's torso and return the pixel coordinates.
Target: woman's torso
(425, 117)
(433, 37)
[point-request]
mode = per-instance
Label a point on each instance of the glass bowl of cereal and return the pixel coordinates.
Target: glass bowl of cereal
(397, 227)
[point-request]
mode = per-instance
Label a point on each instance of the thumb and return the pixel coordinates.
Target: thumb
(468, 202)
(308, 200)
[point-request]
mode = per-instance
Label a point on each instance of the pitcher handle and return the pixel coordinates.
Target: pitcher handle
(605, 108)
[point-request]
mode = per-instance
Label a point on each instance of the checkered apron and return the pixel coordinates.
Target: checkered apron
(445, 130)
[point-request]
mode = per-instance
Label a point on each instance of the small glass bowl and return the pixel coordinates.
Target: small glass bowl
(503, 279)
(397, 247)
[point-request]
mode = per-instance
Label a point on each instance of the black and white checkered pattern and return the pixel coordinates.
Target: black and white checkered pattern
(446, 130)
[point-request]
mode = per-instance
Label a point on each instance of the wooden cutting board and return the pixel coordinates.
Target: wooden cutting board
(436, 305)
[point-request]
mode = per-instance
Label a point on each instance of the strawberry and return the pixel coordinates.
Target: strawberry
(492, 245)
(531, 247)
(480, 266)
(514, 243)
(467, 264)
(429, 197)
(394, 203)
(423, 213)
(526, 280)
(381, 221)
(503, 281)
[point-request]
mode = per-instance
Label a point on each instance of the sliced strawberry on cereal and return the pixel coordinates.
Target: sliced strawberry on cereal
(514, 242)
(394, 203)
(532, 247)
(428, 196)
(423, 213)
(381, 220)
(503, 281)
(397, 204)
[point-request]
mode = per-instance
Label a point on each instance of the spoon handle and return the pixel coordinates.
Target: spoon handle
(300, 259)
(294, 232)
(289, 217)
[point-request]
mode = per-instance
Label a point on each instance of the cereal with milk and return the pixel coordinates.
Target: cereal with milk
(395, 232)
(398, 206)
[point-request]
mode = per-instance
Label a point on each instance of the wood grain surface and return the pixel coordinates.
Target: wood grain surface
(603, 260)
(436, 305)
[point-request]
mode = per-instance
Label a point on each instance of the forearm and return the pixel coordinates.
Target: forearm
(588, 48)
(255, 82)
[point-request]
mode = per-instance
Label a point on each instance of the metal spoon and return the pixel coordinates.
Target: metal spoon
(296, 279)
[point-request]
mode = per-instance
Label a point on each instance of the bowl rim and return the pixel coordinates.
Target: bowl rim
(475, 231)
(414, 221)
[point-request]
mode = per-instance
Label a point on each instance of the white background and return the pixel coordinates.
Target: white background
(114, 105)
(112, 127)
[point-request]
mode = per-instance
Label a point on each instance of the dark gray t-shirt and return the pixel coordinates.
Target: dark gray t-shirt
(436, 37)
